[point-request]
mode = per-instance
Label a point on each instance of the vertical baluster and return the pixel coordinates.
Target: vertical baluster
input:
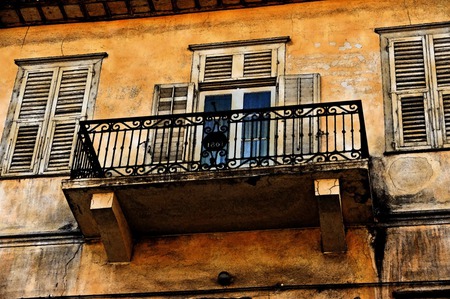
(352, 131)
(344, 147)
(327, 132)
(138, 144)
(113, 155)
(335, 132)
(146, 147)
(130, 146)
(122, 146)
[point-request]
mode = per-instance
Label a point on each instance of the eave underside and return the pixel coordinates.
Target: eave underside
(17, 13)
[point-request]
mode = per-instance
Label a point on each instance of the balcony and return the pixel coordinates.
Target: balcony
(271, 168)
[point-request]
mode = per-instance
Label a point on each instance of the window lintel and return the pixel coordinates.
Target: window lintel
(58, 59)
(240, 43)
(412, 28)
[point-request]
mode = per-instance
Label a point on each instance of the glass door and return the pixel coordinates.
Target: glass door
(232, 141)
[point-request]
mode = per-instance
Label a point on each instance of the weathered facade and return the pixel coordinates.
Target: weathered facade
(307, 158)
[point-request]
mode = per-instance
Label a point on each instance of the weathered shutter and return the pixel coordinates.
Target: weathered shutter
(441, 51)
(69, 104)
(446, 114)
(25, 147)
(168, 140)
(249, 65)
(410, 91)
(299, 134)
(258, 64)
(26, 130)
(299, 89)
(442, 60)
(218, 67)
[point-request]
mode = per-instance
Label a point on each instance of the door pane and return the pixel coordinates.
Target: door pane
(216, 132)
(255, 131)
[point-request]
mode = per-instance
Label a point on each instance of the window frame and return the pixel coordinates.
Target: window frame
(237, 101)
(434, 122)
(237, 49)
(39, 166)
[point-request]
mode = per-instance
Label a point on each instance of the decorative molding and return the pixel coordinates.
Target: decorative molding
(240, 43)
(231, 84)
(53, 59)
(41, 239)
(414, 27)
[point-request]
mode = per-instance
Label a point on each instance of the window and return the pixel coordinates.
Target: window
(50, 96)
(230, 76)
(416, 77)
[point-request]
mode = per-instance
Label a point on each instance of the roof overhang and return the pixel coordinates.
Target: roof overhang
(16, 13)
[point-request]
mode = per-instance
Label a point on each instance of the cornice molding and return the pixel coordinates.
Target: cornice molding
(240, 43)
(414, 27)
(67, 58)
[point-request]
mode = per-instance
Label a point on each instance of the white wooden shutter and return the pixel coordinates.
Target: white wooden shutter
(255, 64)
(218, 67)
(299, 134)
(410, 90)
(69, 106)
(28, 122)
(441, 55)
(168, 143)
(442, 60)
(299, 89)
(258, 64)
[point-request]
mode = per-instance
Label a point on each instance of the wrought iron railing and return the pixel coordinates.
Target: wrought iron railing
(288, 135)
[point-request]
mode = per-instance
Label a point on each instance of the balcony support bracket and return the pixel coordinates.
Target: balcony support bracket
(114, 230)
(327, 192)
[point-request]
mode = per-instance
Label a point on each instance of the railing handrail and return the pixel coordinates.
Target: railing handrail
(280, 135)
(219, 113)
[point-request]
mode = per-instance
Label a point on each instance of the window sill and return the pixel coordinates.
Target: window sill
(63, 175)
(411, 151)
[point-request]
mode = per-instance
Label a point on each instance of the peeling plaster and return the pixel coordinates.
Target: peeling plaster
(346, 46)
(326, 187)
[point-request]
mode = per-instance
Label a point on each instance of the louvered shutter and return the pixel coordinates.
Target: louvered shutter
(69, 103)
(218, 67)
(442, 60)
(28, 122)
(299, 133)
(441, 51)
(410, 91)
(249, 65)
(168, 141)
(258, 64)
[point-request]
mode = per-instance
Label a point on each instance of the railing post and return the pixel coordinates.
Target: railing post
(88, 152)
(362, 125)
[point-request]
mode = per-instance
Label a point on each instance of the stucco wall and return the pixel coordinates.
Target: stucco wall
(333, 38)
(191, 262)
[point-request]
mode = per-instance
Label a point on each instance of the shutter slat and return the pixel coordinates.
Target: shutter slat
(258, 64)
(218, 67)
(446, 109)
(36, 95)
(24, 152)
(442, 59)
(70, 97)
(409, 65)
(413, 119)
(61, 146)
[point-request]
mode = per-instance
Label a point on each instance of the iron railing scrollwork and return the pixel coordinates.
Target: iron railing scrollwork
(214, 141)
